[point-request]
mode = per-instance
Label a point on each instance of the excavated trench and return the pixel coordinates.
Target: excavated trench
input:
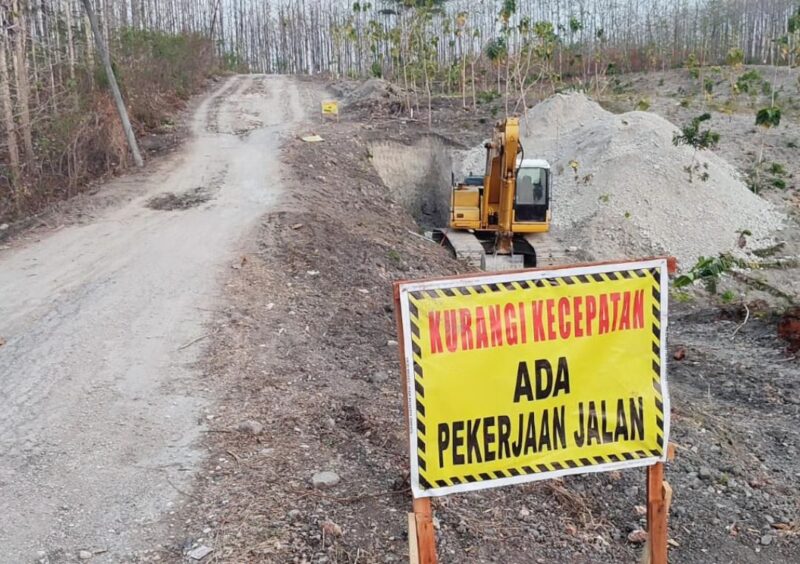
(419, 177)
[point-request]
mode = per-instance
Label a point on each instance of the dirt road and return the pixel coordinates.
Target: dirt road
(100, 406)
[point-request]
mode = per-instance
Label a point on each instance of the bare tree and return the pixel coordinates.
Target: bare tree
(23, 86)
(8, 112)
(112, 82)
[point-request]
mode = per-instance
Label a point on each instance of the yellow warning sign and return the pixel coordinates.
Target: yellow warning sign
(530, 375)
(330, 108)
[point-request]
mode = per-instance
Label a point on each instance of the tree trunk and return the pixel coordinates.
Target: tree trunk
(472, 79)
(8, 117)
(70, 41)
(112, 81)
(23, 85)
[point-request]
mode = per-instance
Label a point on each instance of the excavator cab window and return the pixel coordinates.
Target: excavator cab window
(532, 194)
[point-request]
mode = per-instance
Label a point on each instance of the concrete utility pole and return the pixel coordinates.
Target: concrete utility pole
(112, 81)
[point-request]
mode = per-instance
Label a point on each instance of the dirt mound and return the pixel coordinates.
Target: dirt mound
(374, 92)
(622, 189)
(631, 193)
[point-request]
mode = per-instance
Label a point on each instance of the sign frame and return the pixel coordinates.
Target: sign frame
(658, 268)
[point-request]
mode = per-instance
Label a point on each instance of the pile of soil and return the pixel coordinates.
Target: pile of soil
(374, 93)
(622, 188)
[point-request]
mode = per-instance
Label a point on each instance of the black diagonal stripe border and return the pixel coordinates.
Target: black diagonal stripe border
(481, 288)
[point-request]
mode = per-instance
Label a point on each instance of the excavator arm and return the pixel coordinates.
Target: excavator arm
(500, 180)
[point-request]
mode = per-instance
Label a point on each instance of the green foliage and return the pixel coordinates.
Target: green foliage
(693, 65)
(508, 9)
(496, 49)
(748, 81)
(376, 69)
(779, 183)
(707, 271)
(766, 88)
(793, 25)
(769, 117)
(777, 169)
(682, 296)
(708, 85)
(231, 62)
(488, 96)
(728, 296)
(643, 105)
(173, 62)
(394, 256)
(696, 137)
(735, 57)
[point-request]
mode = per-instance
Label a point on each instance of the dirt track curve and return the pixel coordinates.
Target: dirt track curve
(100, 406)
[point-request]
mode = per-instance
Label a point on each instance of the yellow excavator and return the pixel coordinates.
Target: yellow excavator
(497, 219)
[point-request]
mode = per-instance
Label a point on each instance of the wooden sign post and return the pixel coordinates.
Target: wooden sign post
(550, 372)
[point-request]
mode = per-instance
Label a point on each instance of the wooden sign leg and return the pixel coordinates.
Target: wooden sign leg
(425, 533)
(421, 534)
(656, 514)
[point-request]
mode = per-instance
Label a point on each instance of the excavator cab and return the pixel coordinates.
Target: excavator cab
(532, 197)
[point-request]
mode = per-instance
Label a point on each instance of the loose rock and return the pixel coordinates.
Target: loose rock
(200, 552)
(637, 537)
(325, 479)
(378, 377)
(294, 514)
(252, 427)
(331, 529)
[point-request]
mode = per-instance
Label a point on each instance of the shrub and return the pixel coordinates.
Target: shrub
(708, 271)
(488, 96)
(777, 169)
(693, 136)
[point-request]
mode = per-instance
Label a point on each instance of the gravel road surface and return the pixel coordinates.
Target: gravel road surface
(100, 405)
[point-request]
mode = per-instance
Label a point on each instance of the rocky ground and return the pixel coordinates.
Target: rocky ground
(306, 453)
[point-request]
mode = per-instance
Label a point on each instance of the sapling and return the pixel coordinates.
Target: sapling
(697, 138)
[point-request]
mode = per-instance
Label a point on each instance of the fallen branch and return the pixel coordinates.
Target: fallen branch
(423, 237)
(190, 343)
(180, 491)
(742, 324)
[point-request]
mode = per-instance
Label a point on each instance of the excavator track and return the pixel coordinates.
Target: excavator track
(468, 248)
(549, 250)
